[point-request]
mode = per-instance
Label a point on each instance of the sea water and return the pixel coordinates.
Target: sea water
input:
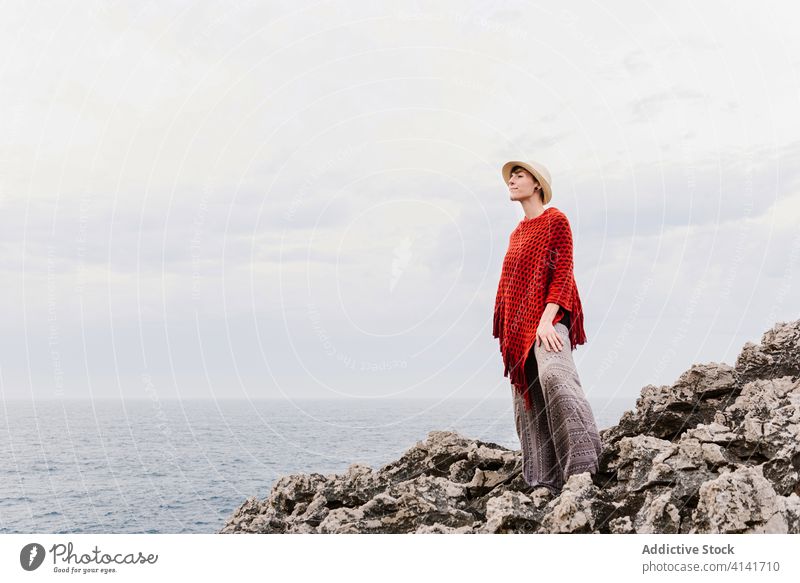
(139, 466)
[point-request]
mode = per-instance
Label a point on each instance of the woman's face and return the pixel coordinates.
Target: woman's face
(522, 184)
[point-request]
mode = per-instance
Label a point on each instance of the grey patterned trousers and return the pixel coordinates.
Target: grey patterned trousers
(558, 435)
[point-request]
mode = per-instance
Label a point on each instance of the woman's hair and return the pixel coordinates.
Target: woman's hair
(535, 181)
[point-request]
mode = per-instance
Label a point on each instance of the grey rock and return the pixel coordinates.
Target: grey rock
(511, 512)
(778, 355)
(742, 501)
(718, 451)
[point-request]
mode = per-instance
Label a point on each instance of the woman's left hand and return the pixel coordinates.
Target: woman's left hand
(546, 334)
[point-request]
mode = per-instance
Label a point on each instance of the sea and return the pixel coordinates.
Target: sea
(184, 466)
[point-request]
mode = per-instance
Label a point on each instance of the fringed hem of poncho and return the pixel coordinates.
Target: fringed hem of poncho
(577, 336)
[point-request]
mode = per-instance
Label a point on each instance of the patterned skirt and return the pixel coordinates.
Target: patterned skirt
(558, 435)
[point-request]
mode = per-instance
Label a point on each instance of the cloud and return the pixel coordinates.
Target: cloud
(208, 172)
(645, 108)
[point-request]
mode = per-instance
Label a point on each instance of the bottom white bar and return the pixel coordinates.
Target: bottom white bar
(171, 557)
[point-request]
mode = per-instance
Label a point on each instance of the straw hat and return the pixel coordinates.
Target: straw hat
(538, 170)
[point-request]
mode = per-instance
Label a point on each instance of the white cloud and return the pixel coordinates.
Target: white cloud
(243, 161)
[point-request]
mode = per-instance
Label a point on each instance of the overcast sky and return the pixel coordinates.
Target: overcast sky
(295, 199)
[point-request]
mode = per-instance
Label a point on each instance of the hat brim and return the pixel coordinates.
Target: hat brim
(546, 191)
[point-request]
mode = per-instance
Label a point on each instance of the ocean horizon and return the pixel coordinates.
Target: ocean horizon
(183, 466)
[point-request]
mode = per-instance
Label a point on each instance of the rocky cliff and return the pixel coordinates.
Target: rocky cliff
(718, 451)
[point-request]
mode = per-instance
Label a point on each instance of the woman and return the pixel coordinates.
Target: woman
(538, 319)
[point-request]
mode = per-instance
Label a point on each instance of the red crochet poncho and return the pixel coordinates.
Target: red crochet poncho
(537, 270)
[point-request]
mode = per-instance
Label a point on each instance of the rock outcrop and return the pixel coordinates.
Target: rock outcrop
(718, 451)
